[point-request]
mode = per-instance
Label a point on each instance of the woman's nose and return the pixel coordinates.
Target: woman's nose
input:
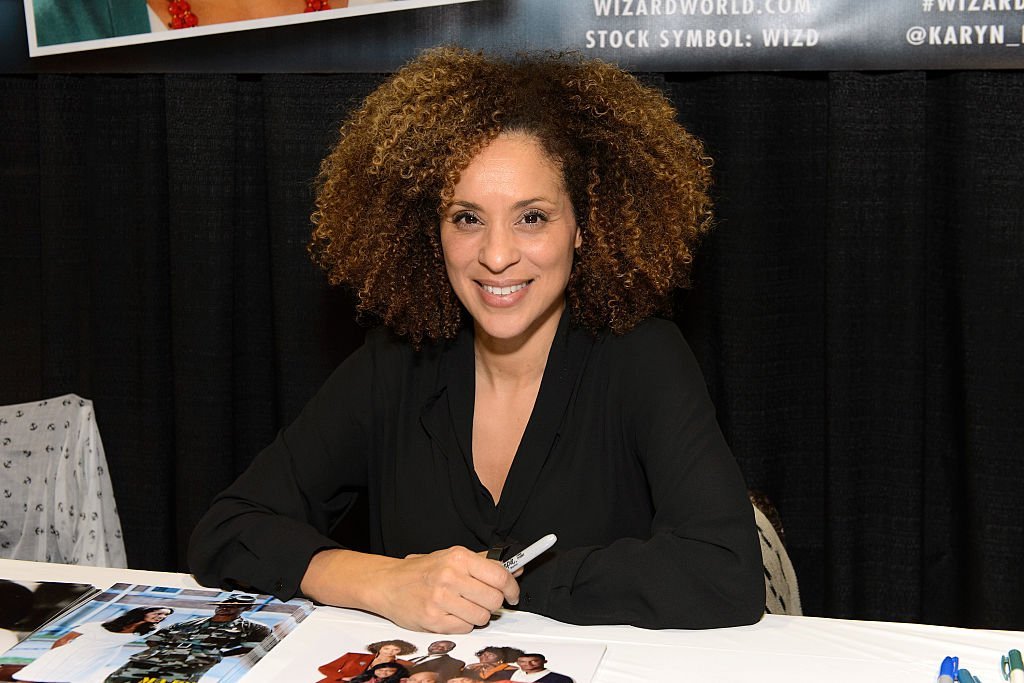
(499, 249)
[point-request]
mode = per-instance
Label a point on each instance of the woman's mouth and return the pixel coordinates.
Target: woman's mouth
(504, 291)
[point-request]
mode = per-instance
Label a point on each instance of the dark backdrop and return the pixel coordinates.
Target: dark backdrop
(857, 311)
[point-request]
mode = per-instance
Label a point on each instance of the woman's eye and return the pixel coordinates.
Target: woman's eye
(465, 218)
(534, 217)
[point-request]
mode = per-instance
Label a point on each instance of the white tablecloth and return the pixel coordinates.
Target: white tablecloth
(778, 648)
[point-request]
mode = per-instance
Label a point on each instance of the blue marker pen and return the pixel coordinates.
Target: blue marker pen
(947, 672)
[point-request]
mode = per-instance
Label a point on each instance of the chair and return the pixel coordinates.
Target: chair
(781, 593)
(56, 501)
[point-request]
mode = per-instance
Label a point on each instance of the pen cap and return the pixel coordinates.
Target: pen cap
(1011, 662)
(964, 676)
(949, 667)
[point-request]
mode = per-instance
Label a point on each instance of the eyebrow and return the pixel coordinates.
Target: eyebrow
(521, 204)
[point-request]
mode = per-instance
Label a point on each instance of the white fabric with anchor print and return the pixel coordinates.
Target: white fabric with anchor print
(56, 501)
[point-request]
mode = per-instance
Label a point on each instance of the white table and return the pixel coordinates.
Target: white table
(778, 648)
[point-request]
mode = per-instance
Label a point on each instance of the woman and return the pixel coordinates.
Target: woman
(514, 225)
(495, 664)
(352, 664)
(88, 652)
(385, 672)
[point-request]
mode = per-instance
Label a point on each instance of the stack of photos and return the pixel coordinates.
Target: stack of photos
(27, 605)
(148, 634)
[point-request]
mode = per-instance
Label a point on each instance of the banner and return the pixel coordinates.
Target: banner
(643, 35)
(717, 35)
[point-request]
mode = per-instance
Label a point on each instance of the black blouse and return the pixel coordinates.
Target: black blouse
(622, 458)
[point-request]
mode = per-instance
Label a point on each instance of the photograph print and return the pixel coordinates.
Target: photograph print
(133, 633)
(335, 650)
(59, 26)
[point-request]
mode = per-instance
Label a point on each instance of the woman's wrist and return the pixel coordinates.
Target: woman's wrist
(344, 578)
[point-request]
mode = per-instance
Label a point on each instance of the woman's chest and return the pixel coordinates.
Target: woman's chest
(577, 476)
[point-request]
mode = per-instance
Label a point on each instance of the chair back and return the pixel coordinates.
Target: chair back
(781, 592)
(56, 500)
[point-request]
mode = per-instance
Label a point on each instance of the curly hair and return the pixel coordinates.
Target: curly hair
(637, 180)
(406, 648)
(371, 673)
(505, 652)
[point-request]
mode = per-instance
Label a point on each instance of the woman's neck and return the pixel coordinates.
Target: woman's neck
(518, 361)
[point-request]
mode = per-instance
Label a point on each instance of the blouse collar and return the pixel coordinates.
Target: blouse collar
(449, 422)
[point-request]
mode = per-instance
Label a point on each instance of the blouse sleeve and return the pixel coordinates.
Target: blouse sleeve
(261, 532)
(700, 565)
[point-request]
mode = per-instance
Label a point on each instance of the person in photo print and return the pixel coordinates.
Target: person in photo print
(438, 660)
(495, 663)
(423, 677)
(533, 669)
(90, 651)
(385, 672)
(516, 226)
(352, 664)
(188, 649)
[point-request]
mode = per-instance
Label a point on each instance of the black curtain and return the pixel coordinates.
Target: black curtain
(856, 310)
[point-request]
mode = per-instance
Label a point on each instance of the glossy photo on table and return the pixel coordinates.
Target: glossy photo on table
(335, 650)
(131, 633)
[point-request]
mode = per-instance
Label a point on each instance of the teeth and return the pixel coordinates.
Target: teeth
(504, 291)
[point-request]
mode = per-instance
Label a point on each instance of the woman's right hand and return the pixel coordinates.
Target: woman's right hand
(446, 591)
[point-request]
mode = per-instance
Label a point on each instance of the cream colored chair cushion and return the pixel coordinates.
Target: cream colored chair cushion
(782, 595)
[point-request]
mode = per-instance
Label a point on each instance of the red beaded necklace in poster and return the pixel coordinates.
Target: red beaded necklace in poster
(182, 15)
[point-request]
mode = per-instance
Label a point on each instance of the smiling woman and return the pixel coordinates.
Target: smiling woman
(514, 224)
(508, 239)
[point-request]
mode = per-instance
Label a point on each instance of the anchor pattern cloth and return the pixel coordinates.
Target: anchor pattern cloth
(56, 499)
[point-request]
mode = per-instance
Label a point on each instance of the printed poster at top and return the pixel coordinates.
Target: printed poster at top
(57, 26)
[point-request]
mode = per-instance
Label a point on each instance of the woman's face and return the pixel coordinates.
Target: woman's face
(389, 650)
(385, 671)
(156, 616)
(508, 239)
(488, 657)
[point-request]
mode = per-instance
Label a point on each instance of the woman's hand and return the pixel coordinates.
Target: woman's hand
(447, 591)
